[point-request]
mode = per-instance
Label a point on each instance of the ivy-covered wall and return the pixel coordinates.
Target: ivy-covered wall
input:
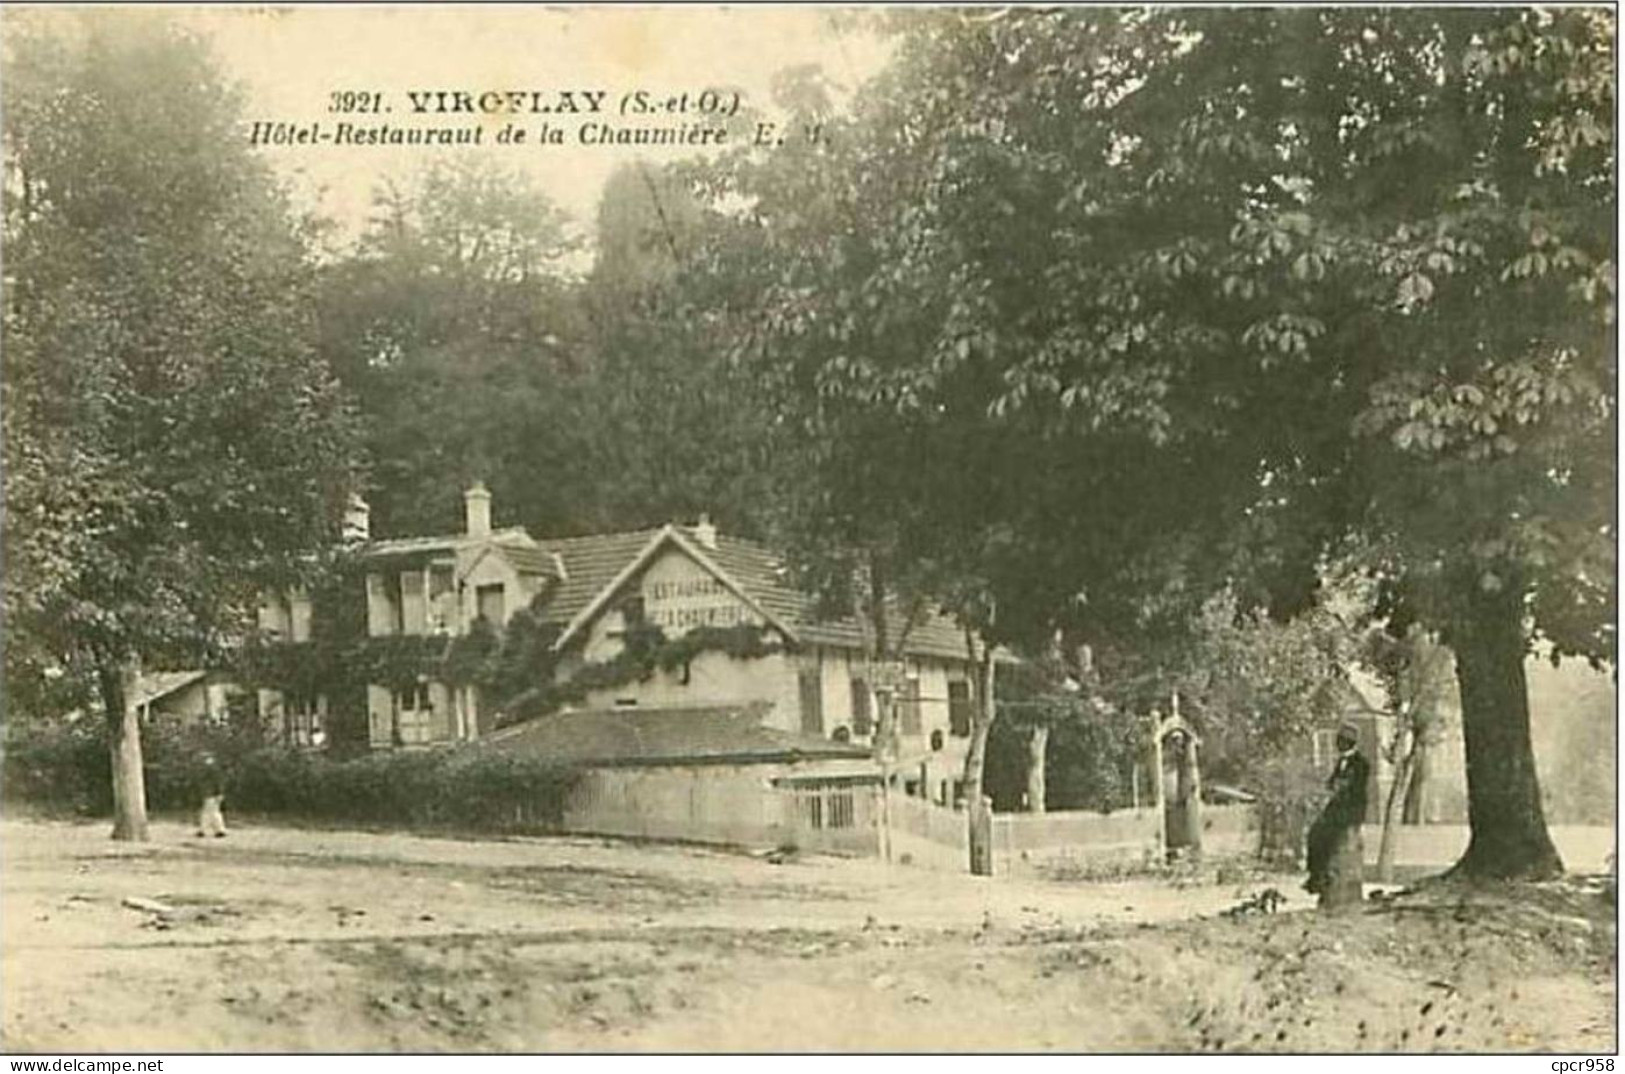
(515, 668)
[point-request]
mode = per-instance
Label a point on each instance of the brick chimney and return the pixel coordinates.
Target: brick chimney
(477, 510)
(705, 532)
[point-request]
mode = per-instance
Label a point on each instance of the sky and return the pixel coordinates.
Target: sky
(290, 61)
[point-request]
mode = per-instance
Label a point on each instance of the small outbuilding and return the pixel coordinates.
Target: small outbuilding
(714, 774)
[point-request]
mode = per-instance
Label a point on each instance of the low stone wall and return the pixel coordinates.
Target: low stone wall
(927, 835)
(1229, 831)
(1075, 842)
(741, 805)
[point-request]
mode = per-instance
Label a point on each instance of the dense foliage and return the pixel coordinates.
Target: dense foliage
(171, 442)
(65, 769)
(1129, 325)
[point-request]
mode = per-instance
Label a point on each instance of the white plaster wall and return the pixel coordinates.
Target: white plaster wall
(491, 569)
(714, 679)
(675, 613)
(835, 680)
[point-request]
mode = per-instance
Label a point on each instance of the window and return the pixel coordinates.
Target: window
(301, 719)
(414, 714)
(383, 605)
(959, 709)
(414, 609)
(414, 698)
(812, 703)
(908, 705)
(828, 807)
(274, 617)
(863, 719)
(440, 579)
(492, 604)
(841, 809)
(299, 616)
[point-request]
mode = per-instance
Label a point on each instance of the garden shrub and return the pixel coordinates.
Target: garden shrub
(62, 768)
(65, 768)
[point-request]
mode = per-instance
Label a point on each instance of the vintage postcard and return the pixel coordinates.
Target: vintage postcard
(805, 529)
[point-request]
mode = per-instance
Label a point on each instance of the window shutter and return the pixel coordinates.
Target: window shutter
(959, 709)
(863, 720)
(812, 703)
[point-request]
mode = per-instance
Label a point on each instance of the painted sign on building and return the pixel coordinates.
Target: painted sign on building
(679, 595)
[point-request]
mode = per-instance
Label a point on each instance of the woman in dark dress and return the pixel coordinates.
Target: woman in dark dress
(1344, 810)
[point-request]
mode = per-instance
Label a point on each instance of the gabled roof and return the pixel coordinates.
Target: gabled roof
(762, 571)
(531, 560)
(157, 685)
(664, 736)
(590, 565)
(524, 558)
(666, 535)
(597, 566)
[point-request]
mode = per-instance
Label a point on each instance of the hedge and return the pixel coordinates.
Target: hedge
(67, 769)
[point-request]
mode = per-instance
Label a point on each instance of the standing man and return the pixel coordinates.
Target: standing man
(211, 820)
(1344, 811)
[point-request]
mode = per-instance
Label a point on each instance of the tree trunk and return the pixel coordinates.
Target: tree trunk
(1402, 777)
(118, 686)
(1345, 889)
(977, 808)
(1416, 791)
(1509, 838)
(1037, 746)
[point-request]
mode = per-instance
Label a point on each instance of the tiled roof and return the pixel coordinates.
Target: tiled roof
(155, 685)
(592, 563)
(761, 573)
(529, 560)
(664, 736)
(508, 537)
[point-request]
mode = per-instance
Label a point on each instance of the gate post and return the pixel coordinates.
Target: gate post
(981, 838)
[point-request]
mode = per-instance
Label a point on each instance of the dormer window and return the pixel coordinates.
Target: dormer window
(492, 603)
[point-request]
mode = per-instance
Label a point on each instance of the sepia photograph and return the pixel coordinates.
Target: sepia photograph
(809, 529)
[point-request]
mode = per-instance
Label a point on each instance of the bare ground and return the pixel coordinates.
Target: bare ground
(279, 939)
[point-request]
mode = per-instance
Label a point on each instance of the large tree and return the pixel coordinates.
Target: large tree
(683, 429)
(1356, 266)
(171, 441)
(882, 352)
(452, 322)
(1400, 233)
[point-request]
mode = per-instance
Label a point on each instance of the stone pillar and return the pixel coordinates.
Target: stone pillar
(1345, 873)
(981, 844)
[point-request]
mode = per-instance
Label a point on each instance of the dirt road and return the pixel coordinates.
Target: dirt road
(279, 939)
